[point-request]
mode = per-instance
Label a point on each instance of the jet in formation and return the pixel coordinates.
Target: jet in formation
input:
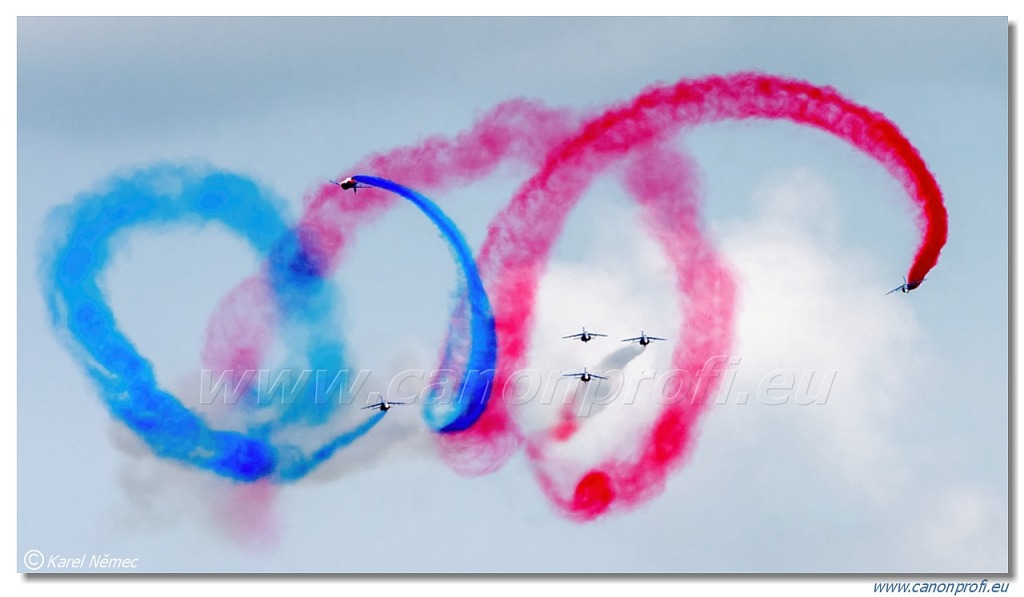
(584, 336)
(585, 376)
(643, 339)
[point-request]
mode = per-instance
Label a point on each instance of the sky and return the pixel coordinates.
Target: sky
(900, 466)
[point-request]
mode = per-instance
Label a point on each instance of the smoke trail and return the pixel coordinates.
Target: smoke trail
(661, 110)
(77, 306)
(476, 363)
(81, 241)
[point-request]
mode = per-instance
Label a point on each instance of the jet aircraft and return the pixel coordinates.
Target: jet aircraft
(383, 405)
(350, 183)
(643, 339)
(585, 376)
(906, 287)
(584, 336)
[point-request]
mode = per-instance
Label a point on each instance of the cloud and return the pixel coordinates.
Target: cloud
(824, 396)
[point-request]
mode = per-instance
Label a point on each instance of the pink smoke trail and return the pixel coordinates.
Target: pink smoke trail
(248, 515)
(518, 130)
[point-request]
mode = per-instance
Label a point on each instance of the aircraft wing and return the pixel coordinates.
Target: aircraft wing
(378, 405)
(574, 336)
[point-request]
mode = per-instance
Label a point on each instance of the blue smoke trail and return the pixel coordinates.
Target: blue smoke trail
(83, 236)
(477, 360)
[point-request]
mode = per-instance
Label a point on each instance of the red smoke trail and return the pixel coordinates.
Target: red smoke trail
(521, 237)
(663, 183)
